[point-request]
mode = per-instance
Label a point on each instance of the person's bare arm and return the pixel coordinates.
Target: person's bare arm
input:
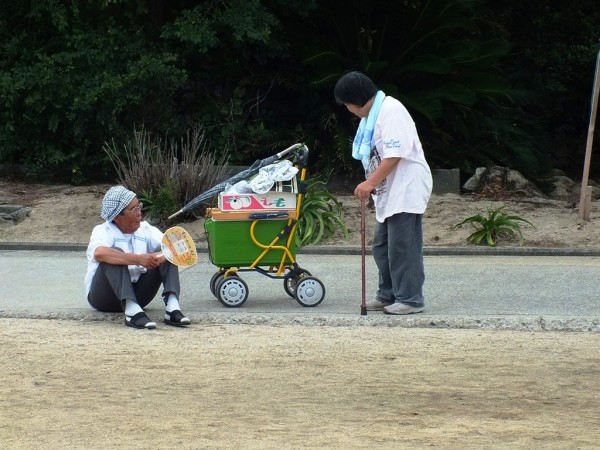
(116, 257)
(364, 189)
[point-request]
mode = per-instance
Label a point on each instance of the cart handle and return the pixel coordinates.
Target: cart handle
(272, 215)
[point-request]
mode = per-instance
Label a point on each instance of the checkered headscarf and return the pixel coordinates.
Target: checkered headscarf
(115, 200)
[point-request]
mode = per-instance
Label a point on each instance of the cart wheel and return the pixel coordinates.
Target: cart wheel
(214, 281)
(310, 291)
(232, 291)
(290, 281)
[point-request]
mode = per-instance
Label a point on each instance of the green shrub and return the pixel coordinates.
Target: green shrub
(160, 202)
(496, 225)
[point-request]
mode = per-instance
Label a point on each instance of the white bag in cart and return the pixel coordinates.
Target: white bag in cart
(268, 175)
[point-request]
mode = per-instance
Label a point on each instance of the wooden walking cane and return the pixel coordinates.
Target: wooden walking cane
(363, 305)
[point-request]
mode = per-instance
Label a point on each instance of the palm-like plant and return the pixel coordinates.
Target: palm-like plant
(321, 215)
(495, 225)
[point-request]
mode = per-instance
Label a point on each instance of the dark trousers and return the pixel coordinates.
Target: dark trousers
(112, 285)
(398, 253)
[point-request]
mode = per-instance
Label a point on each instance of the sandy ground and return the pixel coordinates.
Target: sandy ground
(67, 214)
(98, 385)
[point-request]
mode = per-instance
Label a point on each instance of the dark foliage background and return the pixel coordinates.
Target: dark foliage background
(487, 82)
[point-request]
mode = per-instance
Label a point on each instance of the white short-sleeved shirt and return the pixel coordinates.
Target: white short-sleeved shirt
(146, 239)
(408, 187)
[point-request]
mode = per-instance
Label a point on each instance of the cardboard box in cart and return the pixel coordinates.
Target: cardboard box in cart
(217, 214)
(257, 202)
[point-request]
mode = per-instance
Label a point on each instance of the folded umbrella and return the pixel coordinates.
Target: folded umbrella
(254, 168)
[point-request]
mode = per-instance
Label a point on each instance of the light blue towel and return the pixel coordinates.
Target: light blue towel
(363, 141)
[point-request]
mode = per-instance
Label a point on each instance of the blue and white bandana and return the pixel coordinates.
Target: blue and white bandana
(115, 200)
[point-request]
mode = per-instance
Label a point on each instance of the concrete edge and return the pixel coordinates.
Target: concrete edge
(354, 250)
(491, 323)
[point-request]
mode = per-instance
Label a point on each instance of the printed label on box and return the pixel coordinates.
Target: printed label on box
(257, 202)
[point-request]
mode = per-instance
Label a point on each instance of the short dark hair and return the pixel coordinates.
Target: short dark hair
(354, 88)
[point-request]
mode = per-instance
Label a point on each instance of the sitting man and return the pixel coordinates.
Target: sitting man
(126, 266)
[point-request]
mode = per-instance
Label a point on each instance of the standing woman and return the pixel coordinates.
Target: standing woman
(399, 180)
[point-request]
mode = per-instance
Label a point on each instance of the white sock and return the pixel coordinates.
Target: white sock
(172, 303)
(132, 308)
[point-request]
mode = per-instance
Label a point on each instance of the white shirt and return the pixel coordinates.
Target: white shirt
(146, 239)
(408, 187)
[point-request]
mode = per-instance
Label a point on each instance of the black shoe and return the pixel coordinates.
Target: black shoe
(140, 320)
(176, 318)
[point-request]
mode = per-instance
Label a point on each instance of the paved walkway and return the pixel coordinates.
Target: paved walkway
(463, 290)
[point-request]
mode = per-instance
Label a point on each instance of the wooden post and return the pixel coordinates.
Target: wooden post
(587, 204)
(585, 199)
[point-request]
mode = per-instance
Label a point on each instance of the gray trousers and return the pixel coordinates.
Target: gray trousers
(398, 253)
(112, 285)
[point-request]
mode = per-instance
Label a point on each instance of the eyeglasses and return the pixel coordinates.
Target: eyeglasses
(136, 208)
